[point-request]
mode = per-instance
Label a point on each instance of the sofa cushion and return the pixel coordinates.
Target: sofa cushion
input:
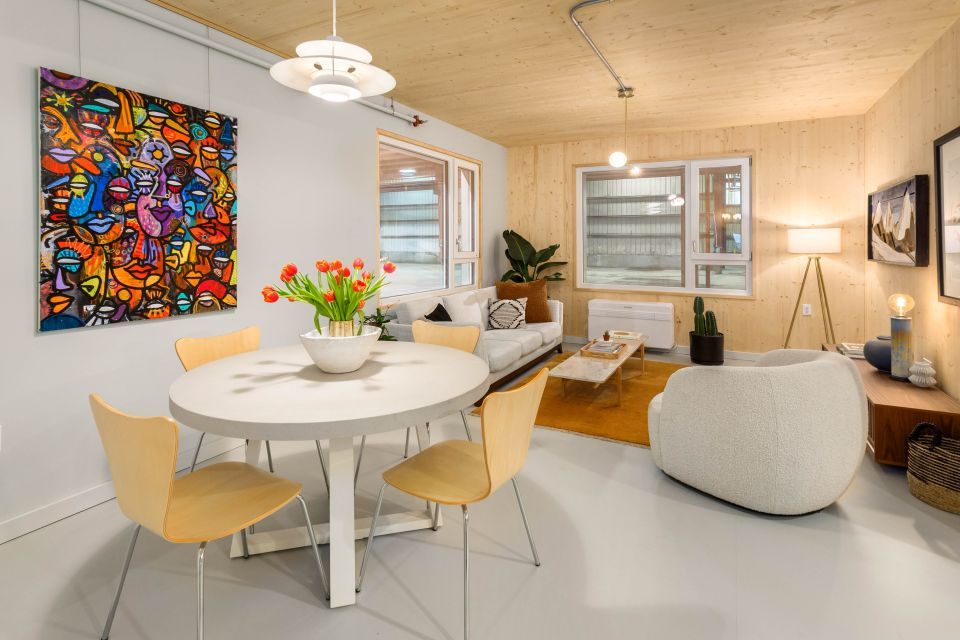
(466, 307)
(536, 294)
(507, 314)
(502, 353)
(549, 331)
(412, 310)
(529, 341)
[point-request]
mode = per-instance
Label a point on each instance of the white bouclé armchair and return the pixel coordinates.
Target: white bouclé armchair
(783, 437)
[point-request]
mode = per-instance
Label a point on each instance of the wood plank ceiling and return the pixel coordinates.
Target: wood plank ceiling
(517, 72)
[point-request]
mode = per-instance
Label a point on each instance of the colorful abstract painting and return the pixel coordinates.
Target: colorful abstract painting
(138, 206)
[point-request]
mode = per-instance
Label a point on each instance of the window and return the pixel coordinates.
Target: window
(429, 218)
(664, 226)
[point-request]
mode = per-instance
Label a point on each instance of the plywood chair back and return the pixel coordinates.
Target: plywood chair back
(462, 338)
(142, 453)
(194, 352)
(507, 418)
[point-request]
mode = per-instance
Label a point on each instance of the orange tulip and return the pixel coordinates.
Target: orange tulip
(358, 264)
(323, 266)
(289, 270)
(359, 285)
(366, 275)
(389, 267)
(336, 264)
(346, 272)
(329, 296)
(270, 294)
(362, 302)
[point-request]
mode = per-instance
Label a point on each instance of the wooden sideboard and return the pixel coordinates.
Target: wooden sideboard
(895, 409)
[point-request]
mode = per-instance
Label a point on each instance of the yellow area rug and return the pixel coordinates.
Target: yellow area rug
(594, 412)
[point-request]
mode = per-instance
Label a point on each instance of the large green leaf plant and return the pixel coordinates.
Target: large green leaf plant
(527, 263)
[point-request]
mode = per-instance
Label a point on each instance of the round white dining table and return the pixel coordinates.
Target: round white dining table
(279, 394)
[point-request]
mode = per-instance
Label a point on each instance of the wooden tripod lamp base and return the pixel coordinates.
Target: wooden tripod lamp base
(814, 242)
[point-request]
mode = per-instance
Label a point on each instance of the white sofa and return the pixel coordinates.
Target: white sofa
(507, 351)
(784, 437)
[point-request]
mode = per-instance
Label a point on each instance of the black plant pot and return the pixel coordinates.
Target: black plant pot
(706, 350)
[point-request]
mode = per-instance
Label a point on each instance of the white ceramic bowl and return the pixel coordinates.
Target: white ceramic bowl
(342, 354)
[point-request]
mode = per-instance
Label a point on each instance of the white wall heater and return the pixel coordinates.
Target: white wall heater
(654, 319)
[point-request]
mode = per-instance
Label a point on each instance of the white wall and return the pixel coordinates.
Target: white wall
(306, 186)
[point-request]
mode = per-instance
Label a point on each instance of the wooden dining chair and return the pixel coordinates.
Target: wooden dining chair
(462, 338)
(194, 352)
(457, 472)
(212, 503)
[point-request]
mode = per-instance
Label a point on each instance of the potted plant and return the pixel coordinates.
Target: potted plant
(527, 263)
(706, 342)
(339, 294)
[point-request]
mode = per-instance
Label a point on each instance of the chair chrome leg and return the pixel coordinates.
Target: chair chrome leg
(269, 456)
(466, 572)
(196, 453)
(323, 467)
(370, 536)
(123, 578)
(436, 515)
(406, 445)
(526, 525)
(466, 427)
(203, 545)
(316, 548)
(243, 544)
(356, 472)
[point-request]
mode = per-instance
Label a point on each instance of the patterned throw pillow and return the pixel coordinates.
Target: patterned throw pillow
(508, 314)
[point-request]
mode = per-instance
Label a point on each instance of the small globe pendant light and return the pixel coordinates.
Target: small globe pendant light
(333, 70)
(619, 159)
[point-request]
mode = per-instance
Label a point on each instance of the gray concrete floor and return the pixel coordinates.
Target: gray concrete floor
(627, 553)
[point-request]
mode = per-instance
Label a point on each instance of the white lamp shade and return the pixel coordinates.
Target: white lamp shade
(814, 240)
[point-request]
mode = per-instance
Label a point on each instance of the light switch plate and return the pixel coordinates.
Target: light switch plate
(807, 310)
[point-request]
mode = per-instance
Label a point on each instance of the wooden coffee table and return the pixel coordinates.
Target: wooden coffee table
(599, 370)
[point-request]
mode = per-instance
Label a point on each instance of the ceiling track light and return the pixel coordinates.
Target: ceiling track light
(333, 69)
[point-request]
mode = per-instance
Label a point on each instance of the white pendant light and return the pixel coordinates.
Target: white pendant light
(618, 159)
(333, 69)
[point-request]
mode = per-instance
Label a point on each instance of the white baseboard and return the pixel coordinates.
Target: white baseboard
(732, 355)
(729, 355)
(65, 507)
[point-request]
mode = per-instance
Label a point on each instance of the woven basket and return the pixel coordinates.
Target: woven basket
(933, 467)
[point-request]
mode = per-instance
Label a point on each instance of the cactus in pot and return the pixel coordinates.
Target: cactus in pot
(706, 341)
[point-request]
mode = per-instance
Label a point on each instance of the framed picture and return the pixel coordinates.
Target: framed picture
(898, 227)
(138, 206)
(946, 163)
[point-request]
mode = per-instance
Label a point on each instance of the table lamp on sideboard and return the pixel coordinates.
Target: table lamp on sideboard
(901, 336)
(814, 242)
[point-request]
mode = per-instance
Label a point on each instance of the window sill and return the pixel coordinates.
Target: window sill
(388, 302)
(675, 293)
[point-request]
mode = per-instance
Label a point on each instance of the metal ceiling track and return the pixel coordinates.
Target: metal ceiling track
(133, 14)
(624, 91)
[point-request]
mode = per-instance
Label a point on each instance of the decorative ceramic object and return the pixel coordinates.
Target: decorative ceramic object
(340, 354)
(922, 374)
(878, 353)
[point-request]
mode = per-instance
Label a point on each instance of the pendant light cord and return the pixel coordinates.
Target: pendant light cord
(334, 17)
(625, 123)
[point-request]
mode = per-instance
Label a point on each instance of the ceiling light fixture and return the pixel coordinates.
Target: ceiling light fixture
(333, 69)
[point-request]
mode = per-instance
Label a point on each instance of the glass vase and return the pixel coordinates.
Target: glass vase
(341, 329)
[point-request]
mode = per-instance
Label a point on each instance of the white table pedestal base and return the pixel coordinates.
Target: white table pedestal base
(344, 529)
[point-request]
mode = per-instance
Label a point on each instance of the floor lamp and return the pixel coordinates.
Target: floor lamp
(814, 242)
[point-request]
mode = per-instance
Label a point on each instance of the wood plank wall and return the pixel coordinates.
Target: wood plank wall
(900, 130)
(805, 172)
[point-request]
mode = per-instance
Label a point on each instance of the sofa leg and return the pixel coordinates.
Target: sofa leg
(560, 348)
